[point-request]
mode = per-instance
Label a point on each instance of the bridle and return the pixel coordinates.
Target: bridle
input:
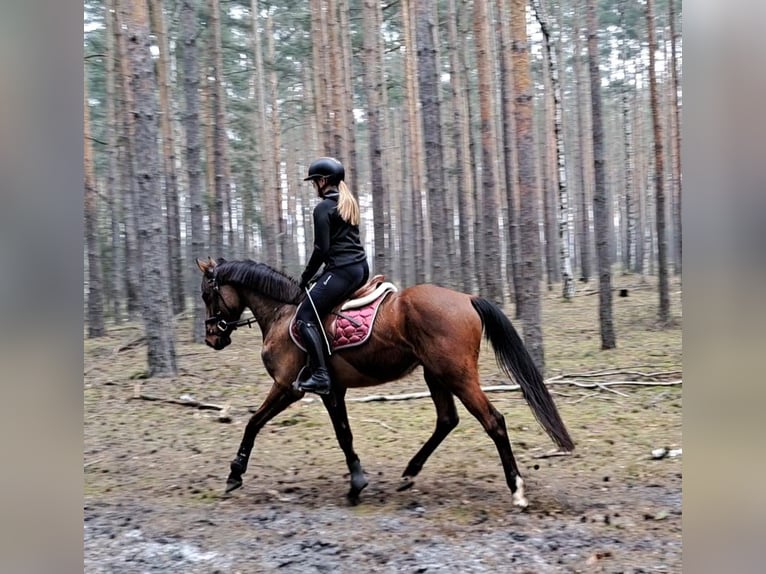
(223, 325)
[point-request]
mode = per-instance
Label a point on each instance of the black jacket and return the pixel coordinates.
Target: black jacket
(336, 242)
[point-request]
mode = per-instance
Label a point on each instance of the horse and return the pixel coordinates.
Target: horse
(423, 325)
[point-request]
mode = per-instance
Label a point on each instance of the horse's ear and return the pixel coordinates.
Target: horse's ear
(205, 266)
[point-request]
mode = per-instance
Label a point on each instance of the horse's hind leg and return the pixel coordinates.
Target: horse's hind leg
(335, 404)
(446, 420)
(493, 422)
(279, 398)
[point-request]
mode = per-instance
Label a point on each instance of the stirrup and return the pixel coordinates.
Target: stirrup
(311, 385)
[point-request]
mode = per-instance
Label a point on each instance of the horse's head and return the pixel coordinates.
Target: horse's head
(223, 305)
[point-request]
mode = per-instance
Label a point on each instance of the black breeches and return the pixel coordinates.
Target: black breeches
(331, 289)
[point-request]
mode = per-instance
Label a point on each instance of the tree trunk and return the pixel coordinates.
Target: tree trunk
(155, 280)
(528, 206)
(95, 280)
(373, 86)
(261, 148)
(191, 122)
(659, 174)
(117, 295)
(461, 141)
(273, 182)
(319, 64)
(347, 104)
(421, 256)
(218, 119)
(428, 90)
(169, 160)
(546, 172)
(640, 182)
(583, 214)
(490, 206)
(629, 159)
(601, 209)
(676, 142)
(564, 259)
(510, 171)
(133, 262)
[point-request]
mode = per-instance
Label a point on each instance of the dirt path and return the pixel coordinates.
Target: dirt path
(154, 473)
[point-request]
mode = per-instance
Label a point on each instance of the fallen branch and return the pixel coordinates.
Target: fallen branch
(185, 401)
(384, 425)
(552, 453)
(400, 397)
(131, 344)
(499, 388)
(609, 372)
(604, 385)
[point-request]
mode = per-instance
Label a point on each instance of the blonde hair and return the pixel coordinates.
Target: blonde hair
(348, 208)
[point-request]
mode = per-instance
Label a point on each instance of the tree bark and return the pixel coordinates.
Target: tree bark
(421, 259)
(601, 209)
(428, 90)
(659, 174)
(218, 119)
(273, 187)
(191, 122)
(169, 160)
(492, 280)
(95, 304)
(676, 142)
(583, 215)
(155, 280)
(347, 104)
(629, 159)
(461, 142)
(117, 294)
(564, 216)
(528, 207)
(373, 86)
(133, 261)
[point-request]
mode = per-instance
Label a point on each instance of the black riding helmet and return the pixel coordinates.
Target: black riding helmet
(328, 167)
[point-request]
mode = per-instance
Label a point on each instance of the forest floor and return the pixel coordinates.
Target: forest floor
(155, 471)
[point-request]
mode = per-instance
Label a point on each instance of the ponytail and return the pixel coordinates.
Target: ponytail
(348, 208)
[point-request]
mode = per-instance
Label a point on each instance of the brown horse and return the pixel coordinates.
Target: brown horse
(425, 325)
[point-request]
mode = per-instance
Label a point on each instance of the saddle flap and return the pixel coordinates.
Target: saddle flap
(350, 326)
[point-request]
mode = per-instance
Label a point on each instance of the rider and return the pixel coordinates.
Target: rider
(337, 245)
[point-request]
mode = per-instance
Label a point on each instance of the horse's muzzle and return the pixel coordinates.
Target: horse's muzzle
(218, 342)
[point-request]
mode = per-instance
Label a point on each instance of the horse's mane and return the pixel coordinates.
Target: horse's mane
(260, 277)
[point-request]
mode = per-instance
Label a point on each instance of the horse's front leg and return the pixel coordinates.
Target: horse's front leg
(279, 398)
(335, 403)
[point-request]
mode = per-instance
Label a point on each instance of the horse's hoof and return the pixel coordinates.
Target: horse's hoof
(358, 483)
(353, 497)
(405, 484)
(518, 495)
(233, 483)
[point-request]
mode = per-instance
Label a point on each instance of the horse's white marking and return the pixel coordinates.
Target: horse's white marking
(518, 497)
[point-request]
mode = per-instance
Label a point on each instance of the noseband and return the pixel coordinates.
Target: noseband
(222, 324)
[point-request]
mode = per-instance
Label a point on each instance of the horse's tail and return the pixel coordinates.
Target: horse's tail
(515, 361)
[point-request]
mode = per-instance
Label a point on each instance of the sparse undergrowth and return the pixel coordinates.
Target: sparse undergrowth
(154, 472)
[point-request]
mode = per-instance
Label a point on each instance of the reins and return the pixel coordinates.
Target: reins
(222, 324)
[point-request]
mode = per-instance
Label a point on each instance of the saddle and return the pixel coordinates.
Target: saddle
(350, 323)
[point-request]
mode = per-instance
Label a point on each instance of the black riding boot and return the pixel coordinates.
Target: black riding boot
(319, 382)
